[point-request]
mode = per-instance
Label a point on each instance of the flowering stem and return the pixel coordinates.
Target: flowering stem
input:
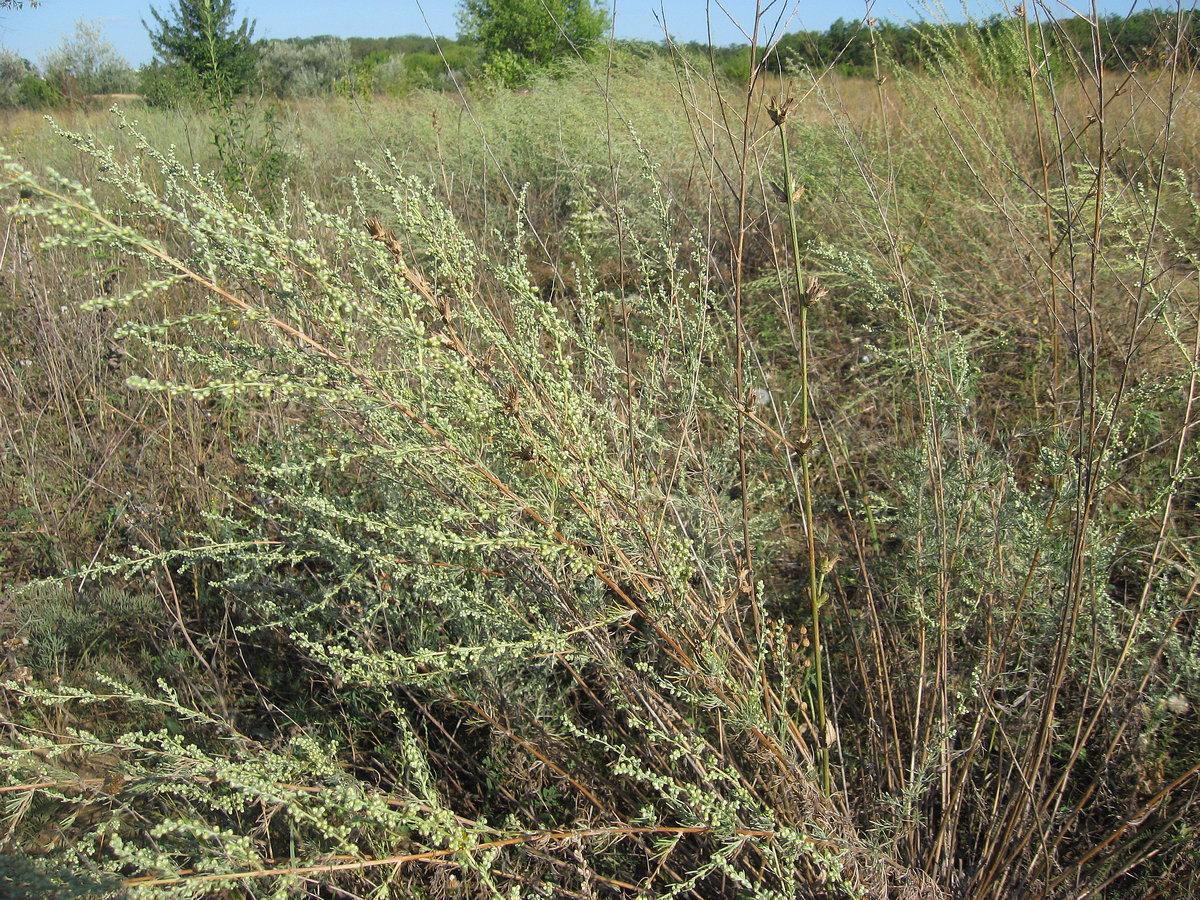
(808, 295)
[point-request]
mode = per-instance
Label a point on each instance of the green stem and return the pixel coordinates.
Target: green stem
(814, 592)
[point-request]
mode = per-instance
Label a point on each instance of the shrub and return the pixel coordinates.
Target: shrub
(21, 86)
(522, 567)
(35, 92)
(453, 546)
(394, 76)
(430, 70)
(294, 69)
(169, 86)
(13, 69)
(85, 64)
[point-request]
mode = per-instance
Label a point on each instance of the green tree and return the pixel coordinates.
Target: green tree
(529, 33)
(200, 36)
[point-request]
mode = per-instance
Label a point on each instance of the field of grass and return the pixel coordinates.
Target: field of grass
(634, 485)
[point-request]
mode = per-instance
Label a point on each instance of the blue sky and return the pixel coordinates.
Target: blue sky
(32, 31)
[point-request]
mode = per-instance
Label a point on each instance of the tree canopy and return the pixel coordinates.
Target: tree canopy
(85, 63)
(534, 31)
(199, 35)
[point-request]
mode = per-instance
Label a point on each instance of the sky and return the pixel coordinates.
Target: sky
(31, 31)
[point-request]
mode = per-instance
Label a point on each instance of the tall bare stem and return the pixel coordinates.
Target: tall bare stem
(809, 294)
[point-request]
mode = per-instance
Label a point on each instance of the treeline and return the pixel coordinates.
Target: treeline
(1142, 40)
(84, 65)
(297, 67)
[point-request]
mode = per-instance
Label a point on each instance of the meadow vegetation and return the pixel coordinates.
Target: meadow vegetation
(639, 484)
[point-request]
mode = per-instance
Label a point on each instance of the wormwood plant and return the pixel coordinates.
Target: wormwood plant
(1021, 653)
(511, 587)
(1009, 663)
(495, 633)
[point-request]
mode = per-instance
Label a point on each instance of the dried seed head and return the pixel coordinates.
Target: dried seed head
(800, 442)
(1178, 704)
(385, 236)
(779, 108)
(745, 583)
(782, 195)
(512, 399)
(814, 291)
(113, 782)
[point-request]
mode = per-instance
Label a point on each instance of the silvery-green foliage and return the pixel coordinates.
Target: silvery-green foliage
(391, 76)
(213, 794)
(1008, 585)
(85, 63)
(295, 69)
(486, 527)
